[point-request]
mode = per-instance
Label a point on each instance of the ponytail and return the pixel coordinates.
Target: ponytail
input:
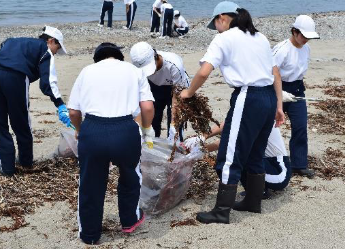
(243, 21)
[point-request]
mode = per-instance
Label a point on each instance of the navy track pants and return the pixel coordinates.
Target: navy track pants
(167, 22)
(107, 7)
(246, 130)
(297, 113)
(131, 14)
(155, 21)
(101, 141)
(278, 173)
(14, 105)
(163, 98)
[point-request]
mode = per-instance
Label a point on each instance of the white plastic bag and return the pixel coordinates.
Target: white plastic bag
(165, 183)
(68, 144)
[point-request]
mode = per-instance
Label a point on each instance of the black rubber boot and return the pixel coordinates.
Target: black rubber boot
(225, 201)
(254, 191)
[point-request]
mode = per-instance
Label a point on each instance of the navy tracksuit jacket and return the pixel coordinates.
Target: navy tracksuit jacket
(22, 61)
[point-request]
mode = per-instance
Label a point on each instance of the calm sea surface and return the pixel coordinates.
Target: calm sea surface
(62, 11)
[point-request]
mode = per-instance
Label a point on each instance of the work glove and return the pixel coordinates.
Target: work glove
(172, 132)
(148, 135)
(193, 142)
(288, 97)
(63, 115)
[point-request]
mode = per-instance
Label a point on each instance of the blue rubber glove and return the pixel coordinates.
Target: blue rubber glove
(63, 115)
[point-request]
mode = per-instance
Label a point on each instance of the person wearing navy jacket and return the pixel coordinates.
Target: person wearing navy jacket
(23, 61)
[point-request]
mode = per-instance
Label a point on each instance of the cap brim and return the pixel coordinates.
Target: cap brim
(211, 25)
(62, 50)
(310, 35)
(150, 68)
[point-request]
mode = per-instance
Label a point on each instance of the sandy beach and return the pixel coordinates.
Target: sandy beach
(309, 213)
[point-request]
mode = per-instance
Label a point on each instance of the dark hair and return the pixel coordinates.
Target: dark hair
(106, 50)
(294, 30)
(156, 56)
(243, 21)
(45, 37)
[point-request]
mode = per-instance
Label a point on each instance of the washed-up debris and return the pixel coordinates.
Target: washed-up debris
(325, 124)
(332, 121)
(186, 222)
(332, 164)
(204, 177)
(196, 110)
(49, 181)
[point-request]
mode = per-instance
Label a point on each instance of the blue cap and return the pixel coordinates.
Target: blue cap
(222, 8)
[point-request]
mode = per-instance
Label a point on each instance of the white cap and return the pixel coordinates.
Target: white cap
(176, 12)
(143, 56)
(306, 25)
(55, 33)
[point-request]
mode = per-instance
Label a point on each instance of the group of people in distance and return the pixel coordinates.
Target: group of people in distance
(172, 19)
(108, 7)
(116, 108)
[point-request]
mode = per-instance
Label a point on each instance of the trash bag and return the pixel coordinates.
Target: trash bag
(164, 183)
(68, 145)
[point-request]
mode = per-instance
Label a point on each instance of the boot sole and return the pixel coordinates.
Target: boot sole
(209, 222)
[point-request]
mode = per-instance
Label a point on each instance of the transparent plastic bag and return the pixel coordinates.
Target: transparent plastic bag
(165, 183)
(68, 145)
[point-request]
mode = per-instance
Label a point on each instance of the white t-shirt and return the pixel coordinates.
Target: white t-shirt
(110, 88)
(166, 6)
(157, 4)
(181, 22)
(291, 61)
(171, 73)
(128, 1)
(243, 59)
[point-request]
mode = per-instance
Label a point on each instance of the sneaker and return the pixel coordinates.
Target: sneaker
(124, 27)
(158, 34)
(304, 172)
(109, 28)
(138, 223)
(4, 173)
(162, 37)
(100, 25)
(153, 34)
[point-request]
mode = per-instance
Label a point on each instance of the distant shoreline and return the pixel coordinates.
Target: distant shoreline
(147, 20)
(82, 38)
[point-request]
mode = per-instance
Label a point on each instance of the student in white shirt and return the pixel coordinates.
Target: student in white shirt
(163, 70)
(167, 11)
(292, 58)
(156, 16)
(245, 60)
(180, 24)
(131, 8)
(108, 6)
(110, 94)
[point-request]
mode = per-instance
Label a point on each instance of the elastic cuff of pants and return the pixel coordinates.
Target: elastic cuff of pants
(90, 240)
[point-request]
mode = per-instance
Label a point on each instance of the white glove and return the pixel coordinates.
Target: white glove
(148, 135)
(288, 97)
(193, 142)
(172, 132)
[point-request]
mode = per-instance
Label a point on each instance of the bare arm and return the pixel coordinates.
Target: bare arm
(76, 119)
(215, 130)
(280, 118)
(198, 80)
(147, 113)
